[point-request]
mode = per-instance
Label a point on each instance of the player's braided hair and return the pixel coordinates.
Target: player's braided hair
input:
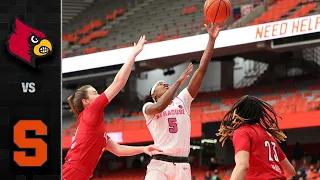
(250, 110)
(75, 100)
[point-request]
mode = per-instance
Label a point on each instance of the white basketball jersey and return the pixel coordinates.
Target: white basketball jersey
(171, 128)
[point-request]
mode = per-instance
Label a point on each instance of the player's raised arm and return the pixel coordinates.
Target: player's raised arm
(161, 103)
(87, 96)
(196, 80)
(122, 76)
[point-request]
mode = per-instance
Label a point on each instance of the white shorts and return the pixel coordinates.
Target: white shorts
(161, 170)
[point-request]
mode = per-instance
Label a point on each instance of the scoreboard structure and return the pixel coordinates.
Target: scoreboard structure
(30, 93)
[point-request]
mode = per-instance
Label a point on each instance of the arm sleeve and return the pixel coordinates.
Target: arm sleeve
(148, 117)
(186, 99)
(95, 110)
(281, 154)
(99, 104)
(241, 140)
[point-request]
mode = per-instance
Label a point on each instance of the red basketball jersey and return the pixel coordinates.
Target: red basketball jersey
(90, 138)
(265, 154)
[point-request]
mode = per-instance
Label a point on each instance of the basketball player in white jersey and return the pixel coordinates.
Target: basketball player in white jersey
(168, 119)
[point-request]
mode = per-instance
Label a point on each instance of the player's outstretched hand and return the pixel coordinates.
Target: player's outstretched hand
(138, 47)
(185, 75)
(151, 149)
(214, 30)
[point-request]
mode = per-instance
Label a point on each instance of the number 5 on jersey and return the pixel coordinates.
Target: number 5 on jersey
(173, 127)
(20, 139)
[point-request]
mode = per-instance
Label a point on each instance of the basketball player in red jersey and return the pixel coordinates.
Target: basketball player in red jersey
(91, 139)
(253, 126)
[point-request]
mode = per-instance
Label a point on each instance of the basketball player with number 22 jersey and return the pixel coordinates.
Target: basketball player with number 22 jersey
(168, 119)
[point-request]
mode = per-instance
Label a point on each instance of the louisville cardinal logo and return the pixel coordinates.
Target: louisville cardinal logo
(27, 43)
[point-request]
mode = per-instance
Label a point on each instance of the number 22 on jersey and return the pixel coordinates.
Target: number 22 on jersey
(272, 151)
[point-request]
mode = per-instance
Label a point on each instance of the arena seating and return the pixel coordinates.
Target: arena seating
(224, 170)
(160, 27)
(286, 97)
(304, 10)
(178, 25)
(284, 101)
(286, 9)
(198, 173)
(99, 10)
(91, 28)
(138, 174)
(211, 107)
(89, 21)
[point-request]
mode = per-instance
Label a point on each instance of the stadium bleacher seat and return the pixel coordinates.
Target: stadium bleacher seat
(93, 35)
(90, 50)
(189, 10)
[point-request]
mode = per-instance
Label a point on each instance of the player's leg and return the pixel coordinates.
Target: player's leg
(155, 175)
(156, 170)
(183, 171)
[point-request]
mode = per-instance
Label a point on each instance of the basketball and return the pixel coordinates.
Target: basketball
(217, 11)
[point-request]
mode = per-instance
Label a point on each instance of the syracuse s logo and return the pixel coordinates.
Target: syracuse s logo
(27, 43)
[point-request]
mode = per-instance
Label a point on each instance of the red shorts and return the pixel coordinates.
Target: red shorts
(69, 173)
